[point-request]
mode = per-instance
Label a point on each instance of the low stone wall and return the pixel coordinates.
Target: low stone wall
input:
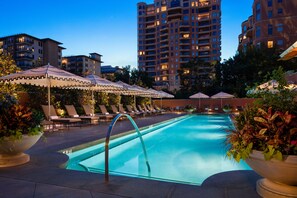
(181, 103)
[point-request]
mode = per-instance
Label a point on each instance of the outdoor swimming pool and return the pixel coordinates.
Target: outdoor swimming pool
(185, 150)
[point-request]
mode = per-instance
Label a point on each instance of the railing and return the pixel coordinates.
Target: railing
(107, 144)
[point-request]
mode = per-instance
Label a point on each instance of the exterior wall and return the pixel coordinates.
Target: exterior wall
(29, 51)
(181, 103)
(171, 32)
(51, 53)
(274, 24)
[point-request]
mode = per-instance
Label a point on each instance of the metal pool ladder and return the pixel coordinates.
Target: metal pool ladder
(107, 144)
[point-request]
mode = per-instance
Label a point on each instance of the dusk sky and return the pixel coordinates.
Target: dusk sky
(103, 26)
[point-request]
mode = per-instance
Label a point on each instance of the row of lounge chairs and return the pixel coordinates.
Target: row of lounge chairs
(91, 118)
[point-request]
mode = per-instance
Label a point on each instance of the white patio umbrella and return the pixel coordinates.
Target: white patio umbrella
(164, 95)
(289, 53)
(272, 87)
(46, 76)
(222, 95)
(199, 95)
(102, 85)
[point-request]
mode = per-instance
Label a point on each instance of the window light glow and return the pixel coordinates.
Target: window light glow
(270, 44)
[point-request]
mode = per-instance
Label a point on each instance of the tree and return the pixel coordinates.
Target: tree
(141, 78)
(123, 76)
(196, 75)
(246, 69)
(7, 66)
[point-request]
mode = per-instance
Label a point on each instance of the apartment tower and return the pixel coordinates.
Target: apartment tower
(29, 51)
(273, 24)
(172, 32)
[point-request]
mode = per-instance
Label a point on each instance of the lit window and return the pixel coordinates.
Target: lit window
(186, 71)
(186, 35)
(163, 8)
(270, 44)
(164, 66)
(158, 10)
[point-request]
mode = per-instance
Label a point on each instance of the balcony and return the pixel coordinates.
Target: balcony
(249, 32)
(164, 60)
(185, 48)
(150, 44)
(184, 30)
(25, 57)
(204, 3)
(24, 50)
(204, 30)
(185, 24)
(24, 41)
(204, 42)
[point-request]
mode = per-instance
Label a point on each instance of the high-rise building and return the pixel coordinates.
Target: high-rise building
(172, 32)
(273, 24)
(29, 51)
(83, 65)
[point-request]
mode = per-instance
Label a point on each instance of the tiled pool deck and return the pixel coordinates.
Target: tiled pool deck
(42, 177)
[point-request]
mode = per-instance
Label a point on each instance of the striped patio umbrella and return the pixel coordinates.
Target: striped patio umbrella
(46, 76)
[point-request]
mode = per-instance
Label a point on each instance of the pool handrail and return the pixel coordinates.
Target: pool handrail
(107, 139)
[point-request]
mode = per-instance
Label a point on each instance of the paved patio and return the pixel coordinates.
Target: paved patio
(44, 176)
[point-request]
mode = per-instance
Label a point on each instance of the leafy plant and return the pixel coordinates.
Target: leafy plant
(271, 131)
(16, 119)
(227, 107)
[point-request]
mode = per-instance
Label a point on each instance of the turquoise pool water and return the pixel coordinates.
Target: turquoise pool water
(185, 150)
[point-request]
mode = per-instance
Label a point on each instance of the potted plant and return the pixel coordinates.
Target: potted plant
(189, 108)
(227, 108)
(265, 136)
(19, 130)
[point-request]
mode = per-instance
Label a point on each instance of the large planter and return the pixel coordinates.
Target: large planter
(12, 151)
(280, 177)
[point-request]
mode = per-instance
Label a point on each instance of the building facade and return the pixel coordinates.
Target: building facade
(172, 32)
(29, 51)
(83, 65)
(273, 24)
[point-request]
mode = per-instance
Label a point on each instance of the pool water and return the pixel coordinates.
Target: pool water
(186, 150)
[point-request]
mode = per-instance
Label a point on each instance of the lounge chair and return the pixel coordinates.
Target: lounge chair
(151, 108)
(105, 112)
(72, 113)
(159, 109)
(88, 111)
(130, 110)
(114, 109)
(57, 119)
(144, 109)
(148, 110)
(139, 111)
(123, 111)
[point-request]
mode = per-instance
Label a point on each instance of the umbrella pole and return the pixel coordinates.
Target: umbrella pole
(134, 100)
(93, 103)
(199, 104)
(49, 102)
